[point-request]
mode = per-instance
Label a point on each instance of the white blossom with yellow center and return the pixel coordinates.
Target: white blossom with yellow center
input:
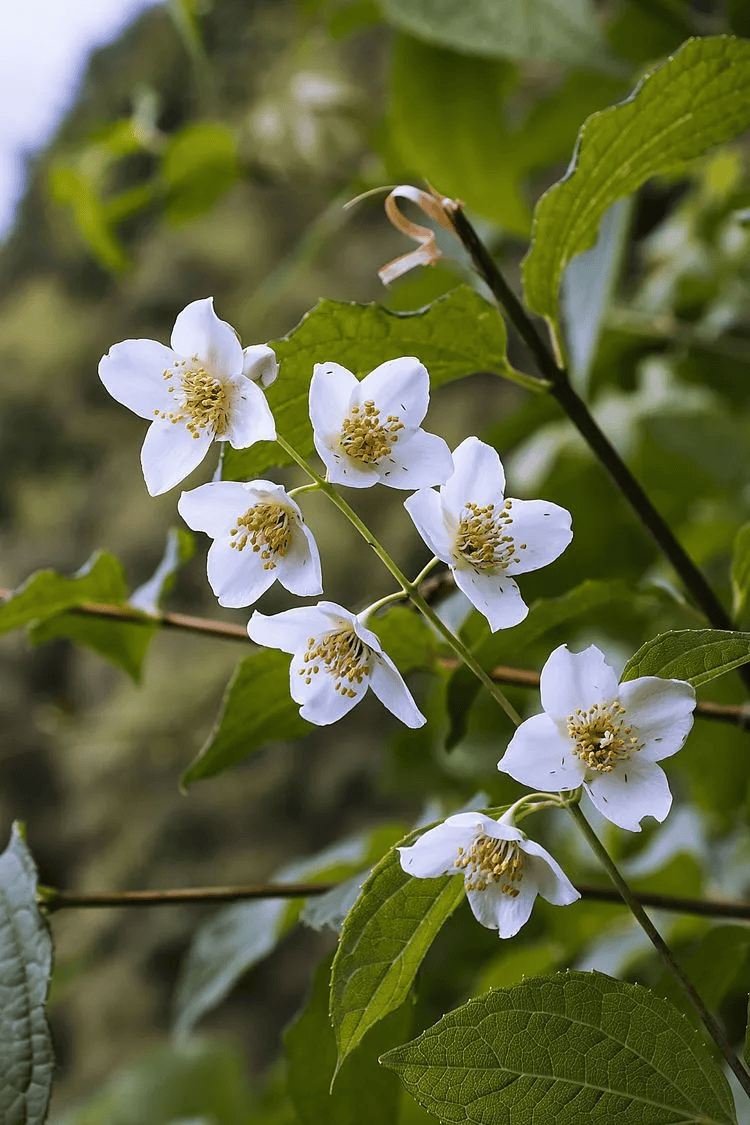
(484, 538)
(259, 537)
(503, 870)
(369, 432)
(203, 388)
(335, 660)
(605, 736)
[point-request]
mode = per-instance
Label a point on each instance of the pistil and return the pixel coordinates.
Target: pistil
(204, 402)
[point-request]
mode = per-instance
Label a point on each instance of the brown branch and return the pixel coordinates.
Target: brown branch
(54, 900)
(736, 714)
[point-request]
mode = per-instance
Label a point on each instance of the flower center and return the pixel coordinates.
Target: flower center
(364, 438)
(482, 538)
(492, 861)
(343, 655)
(204, 402)
(601, 737)
(267, 527)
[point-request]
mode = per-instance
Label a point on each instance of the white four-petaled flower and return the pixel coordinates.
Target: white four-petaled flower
(259, 536)
(335, 659)
(484, 538)
(203, 388)
(603, 735)
(504, 871)
(368, 432)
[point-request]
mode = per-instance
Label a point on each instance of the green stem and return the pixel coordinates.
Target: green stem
(302, 489)
(661, 947)
(425, 571)
(409, 588)
(398, 596)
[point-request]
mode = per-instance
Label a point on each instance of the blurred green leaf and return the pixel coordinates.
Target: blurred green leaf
(697, 99)
(179, 549)
(198, 167)
(364, 1092)
(120, 642)
(74, 189)
(27, 1060)
(695, 655)
(519, 959)
(741, 575)
(406, 638)
(47, 593)
(577, 1044)
(257, 709)
(714, 967)
(455, 336)
(564, 31)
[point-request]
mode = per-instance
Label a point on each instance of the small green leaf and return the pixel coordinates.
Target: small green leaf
(257, 709)
(697, 99)
(455, 336)
(46, 593)
(26, 1057)
(120, 642)
(179, 549)
(741, 575)
(550, 30)
(571, 1047)
(406, 638)
(198, 167)
(695, 655)
(364, 1093)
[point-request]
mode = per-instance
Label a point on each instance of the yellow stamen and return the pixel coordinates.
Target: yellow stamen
(343, 655)
(601, 737)
(492, 861)
(363, 436)
(483, 540)
(203, 399)
(268, 529)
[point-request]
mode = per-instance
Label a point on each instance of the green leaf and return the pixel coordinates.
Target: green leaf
(198, 167)
(695, 655)
(698, 98)
(714, 967)
(455, 336)
(47, 593)
(26, 1057)
(550, 30)
(120, 642)
(566, 1048)
(384, 940)
(406, 637)
(257, 709)
(741, 574)
(365, 1093)
(179, 549)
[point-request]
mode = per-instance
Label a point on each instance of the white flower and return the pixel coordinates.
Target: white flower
(368, 432)
(202, 388)
(335, 660)
(485, 538)
(504, 871)
(603, 735)
(259, 536)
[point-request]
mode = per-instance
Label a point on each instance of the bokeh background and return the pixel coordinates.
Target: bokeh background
(207, 148)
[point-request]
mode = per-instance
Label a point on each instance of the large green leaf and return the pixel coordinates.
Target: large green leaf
(697, 99)
(47, 593)
(695, 655)
(26, 1057)
(455, 336)
(566, 1048)
(551, 30)
(406, 637)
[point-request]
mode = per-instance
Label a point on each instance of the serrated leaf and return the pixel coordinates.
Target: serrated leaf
(456, 335)
(566, 1048)
(47, 593)
(551, 30)
(697, 99)
(179, 549)
(257, 709)
(695, 655)
(311, 1062)
(741, 574)
(26, 1057)
(120, 642)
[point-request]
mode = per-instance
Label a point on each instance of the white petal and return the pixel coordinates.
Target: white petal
(426, 513)
(576, 679)
(321, 703)
(170, 453)
(372, 640)
(551, 881)
(388, 685)
(199, 332)
(660, 712)
(541, 756)
(237, 578)
(400, 387)
(331, 390)
(299, 571)
(477, 476)
(416, 462)
(502, 912)
(133, 373)
(259, 364)
(498, 598)
(436, 851)
(290, 630)
(543, 527)
(342, 469)
(632, 790)
(214, 507)
(250, 417)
